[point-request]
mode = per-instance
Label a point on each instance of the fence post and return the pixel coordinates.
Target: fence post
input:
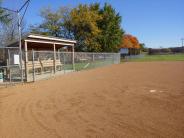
(114, 58)
(93, 57)
(1, 76)
(54, 58)
(33, 65)
(59, 57)
(73, 58)
(9, 65)
(26, 60)
(63, 61)
(119, 58)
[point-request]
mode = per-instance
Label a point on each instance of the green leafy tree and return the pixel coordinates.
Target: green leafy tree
(111, 32)
(4, 16)
(5, 21)
(143, 47)
(84, 26)
(53, 22)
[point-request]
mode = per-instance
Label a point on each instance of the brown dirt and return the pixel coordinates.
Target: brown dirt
(127, 100)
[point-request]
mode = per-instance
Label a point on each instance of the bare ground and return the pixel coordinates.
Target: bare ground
(126, 100)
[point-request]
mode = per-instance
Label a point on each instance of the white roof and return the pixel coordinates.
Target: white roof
(50, 38)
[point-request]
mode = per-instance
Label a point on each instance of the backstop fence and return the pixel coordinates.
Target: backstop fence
(10, 70)
(38, 65)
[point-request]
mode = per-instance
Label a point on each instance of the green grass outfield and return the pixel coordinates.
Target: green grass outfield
(147, 58)
(88, 65)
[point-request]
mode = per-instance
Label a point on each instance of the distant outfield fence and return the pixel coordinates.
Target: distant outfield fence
(38, 65)
(128, 57)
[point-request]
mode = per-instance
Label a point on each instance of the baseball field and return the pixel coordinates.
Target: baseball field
(133, 99)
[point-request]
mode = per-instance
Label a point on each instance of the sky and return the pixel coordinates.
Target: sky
(157, 23)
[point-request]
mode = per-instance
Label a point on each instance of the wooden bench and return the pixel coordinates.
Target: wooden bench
(42, 64)
(58, 63)
(37, 65)
(50, 63)
(47, 64)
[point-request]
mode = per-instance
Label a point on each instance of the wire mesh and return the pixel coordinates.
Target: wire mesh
(44, 64)
(10, 70)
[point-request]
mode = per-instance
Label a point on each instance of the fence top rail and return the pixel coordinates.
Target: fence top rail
(74, 52)
(9, 47)
(96, 53)
(16, 65)
(42, 51)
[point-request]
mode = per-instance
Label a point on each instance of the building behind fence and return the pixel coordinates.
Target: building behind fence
(45, 64)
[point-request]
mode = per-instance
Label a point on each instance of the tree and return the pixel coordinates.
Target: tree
(135, 42)
(130, 42)
(53, 22)
(4, 16)
(4, 20)
(126, 43)
(9, 32)
(84, 20)
(111, 32)
(143, 47)
(95, 29)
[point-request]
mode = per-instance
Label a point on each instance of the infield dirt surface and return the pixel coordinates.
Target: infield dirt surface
(126, 100)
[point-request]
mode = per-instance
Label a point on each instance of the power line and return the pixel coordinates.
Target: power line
(26, 3)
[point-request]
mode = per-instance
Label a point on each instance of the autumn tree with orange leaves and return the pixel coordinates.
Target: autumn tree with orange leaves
(130, 42)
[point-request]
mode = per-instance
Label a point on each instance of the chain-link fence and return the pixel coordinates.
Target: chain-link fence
(44, 64)
(93, 60)
(10, 69)
(37, 65)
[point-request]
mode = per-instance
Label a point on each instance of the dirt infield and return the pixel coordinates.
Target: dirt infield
(127, 100)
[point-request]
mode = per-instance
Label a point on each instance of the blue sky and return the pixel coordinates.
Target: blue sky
(157, 23)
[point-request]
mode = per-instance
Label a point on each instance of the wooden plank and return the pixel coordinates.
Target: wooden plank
(48, 42)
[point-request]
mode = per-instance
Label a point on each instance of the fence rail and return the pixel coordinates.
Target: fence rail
(40, 65)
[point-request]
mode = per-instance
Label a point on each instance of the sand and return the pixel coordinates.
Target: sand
(126, 100)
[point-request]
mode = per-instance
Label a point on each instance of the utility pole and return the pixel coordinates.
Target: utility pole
(182, 42)
(20, 45)
(26, 4)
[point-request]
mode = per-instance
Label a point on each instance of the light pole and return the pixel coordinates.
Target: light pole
(26, 4)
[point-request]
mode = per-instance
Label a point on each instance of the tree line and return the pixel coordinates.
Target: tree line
(96, 28)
